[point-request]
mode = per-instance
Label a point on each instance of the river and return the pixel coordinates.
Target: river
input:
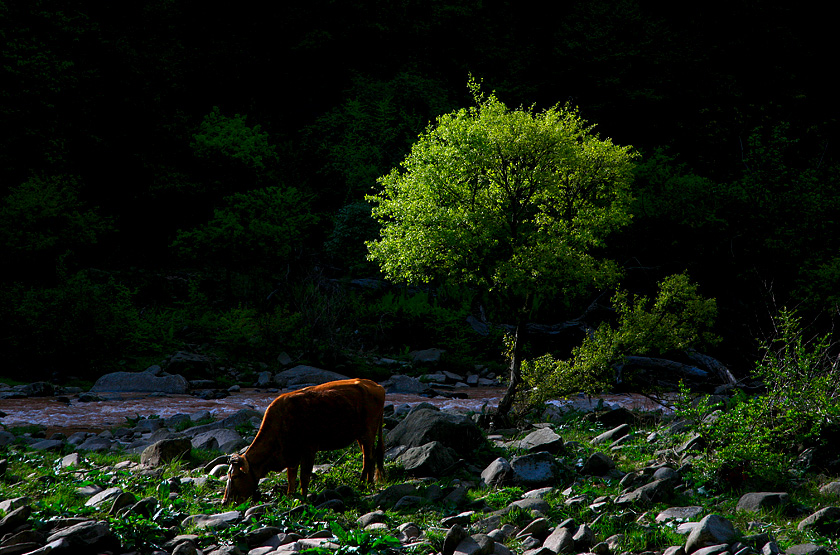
(58, 415)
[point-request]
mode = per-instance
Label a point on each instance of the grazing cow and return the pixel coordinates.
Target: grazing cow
(298, 424)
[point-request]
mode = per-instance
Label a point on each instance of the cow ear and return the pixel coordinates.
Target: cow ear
(239, 462)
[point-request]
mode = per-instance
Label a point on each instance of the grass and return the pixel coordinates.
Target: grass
(53, 491)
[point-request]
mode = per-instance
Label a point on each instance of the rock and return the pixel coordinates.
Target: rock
(598, 464)
(831, 488)
(212, 522)
(560, 541)
(532, 504)
(583, 537)
(826, 521)
(536, 469)
(497, 473)
(806, 549)
(674, 550)
(425, 425)
(165, 451)
(454, 536)
(38, 389)
(762, 501)
(87, 537)
(141, 381)
(409, 503)
(679, 513)
(399, 383)
(537, 528)
(431, 459)
(544, 439)
(6, 438)
(96, 444)
(426, 356)
(47, 445)
(388, 497)
(711, 530)
(103, 497)
(461, 519)
(718, 549)
(224, 440)
(14, 519)
(611, 435)
(302, 375)
(371, 518)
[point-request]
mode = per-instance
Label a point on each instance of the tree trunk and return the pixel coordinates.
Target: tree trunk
(515, 365)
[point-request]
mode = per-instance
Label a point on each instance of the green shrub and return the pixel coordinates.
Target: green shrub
(757, 440)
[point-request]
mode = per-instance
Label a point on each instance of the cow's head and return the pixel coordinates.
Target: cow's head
(241, 481)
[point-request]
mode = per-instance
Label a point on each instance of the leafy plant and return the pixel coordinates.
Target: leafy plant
(678, 318)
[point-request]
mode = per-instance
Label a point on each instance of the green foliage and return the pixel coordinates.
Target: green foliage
(45, 216)
(510, 200)
(373, 128)
(362, 542)
(86, 322)
(260, 228)
(353, 227)
(223, 137)
(677, 319)
(756, 441)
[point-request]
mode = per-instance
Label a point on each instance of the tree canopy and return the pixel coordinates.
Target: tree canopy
(512, 201)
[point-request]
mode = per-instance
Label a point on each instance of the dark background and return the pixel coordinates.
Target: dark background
(730, 105)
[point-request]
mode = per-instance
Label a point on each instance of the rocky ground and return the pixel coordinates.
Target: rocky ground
(617, 486)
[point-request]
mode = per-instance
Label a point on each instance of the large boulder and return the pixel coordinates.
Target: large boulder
(712, 530)
(431, 459)
(536, 469)
(826, 521)
(146, 382)
(762, 501)
(423, 425)
(165, 451)
(302, 376)
(544, 439)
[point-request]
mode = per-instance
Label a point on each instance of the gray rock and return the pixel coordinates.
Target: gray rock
(371, 518)
(302, 375)
(425, 425)
(611, 435)
(762, 501)
(831, 488)
(806, 549)
(679, 513)
(826, 521)
(674, 550)
(537, 528)
(6, 438)
(454, 536)
(430, 459)
(212, 522)
(96, 444)
(497, 473)
(87, 537)
(543, 439)
(532, 504)
(223, 439)
(711, 530)
(165, 451)
(388, 497)
(426, 356)
(713, 549)
(598, 464)
(15, 518)
(106, 496)
(399, 383)
(47, 445)
(536, 469)
(560, 541)
(141, 381)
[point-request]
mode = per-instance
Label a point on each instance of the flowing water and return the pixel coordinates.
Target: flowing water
(60, 416)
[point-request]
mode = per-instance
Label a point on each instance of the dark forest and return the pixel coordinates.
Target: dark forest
(177, 177)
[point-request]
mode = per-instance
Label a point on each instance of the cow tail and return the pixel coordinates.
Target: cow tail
(379, 454)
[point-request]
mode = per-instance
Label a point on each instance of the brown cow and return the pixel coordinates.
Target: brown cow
(298, 424)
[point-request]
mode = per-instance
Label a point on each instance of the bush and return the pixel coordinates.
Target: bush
(756, 442)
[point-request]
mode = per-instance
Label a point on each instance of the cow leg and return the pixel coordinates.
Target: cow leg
(307, 461)
(291, 477)
(367, 460)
